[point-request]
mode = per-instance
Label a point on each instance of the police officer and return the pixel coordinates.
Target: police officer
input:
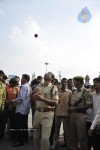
(80, 102)
(46, 97)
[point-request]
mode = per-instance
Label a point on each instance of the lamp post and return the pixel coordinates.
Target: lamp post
(46, 63)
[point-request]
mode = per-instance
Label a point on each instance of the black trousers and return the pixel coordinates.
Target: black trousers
(96, 142)
(52, 132)
(2, 125)
(90, 138)
(21, 127)
(3, 121)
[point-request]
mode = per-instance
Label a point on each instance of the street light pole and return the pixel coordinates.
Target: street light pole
(46, 63)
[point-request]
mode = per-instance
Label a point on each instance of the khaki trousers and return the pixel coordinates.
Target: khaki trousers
(78, 131)
(65, 121)
(41, 130)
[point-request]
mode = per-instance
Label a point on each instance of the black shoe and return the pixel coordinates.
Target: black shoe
(53, 147)
(16, 144)
(26, 140)
(64, 145)
(31, 137)
(1, 138)
(68, 148)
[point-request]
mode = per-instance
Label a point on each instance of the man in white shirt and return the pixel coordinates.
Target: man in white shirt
(96, 113)
(96, 120)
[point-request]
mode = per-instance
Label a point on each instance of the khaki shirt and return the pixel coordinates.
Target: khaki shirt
(63, 104)
(2, 95)
(78, 94)
(49, 92)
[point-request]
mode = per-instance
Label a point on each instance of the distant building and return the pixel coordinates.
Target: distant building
(59, 76)
(99, 74)
(11, 76)
(87, 80)
(33, 76)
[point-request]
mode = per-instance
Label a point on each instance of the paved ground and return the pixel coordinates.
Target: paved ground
(5, 144)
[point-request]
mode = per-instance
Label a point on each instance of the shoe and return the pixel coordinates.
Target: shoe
(53, 147)
(64, 145)
(26, 140)
(31, 137)
(68, 148)
(16, 144)
(1, 138)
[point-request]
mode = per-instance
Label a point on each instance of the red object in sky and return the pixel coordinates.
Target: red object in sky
(35, 35)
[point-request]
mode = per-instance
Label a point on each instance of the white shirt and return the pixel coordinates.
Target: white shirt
(96, 104)
(96, 110)
(96, 120)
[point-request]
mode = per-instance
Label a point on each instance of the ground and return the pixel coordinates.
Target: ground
(5, 144)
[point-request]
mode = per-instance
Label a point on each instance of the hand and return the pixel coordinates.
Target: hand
(90, 132)
(9, 102)
(72, 109)
(59, 101)
(34, 94)
(36, 90)
(38, 97)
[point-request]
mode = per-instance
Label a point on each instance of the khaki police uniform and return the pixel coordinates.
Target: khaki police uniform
(78, 131)
(43, 117)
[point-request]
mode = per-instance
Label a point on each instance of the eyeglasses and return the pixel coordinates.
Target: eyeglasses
(48, 79)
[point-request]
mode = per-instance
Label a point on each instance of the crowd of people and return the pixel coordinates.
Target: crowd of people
(51, 102)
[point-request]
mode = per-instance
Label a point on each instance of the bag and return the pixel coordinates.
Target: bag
(96, 131)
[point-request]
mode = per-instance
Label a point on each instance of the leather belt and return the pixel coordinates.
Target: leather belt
(44, 109)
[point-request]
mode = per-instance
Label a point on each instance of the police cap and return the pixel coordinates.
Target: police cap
(79, 78)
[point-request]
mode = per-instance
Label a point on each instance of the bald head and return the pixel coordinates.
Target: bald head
(47, 76)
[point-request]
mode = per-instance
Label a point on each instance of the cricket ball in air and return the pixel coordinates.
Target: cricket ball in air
(35, 35)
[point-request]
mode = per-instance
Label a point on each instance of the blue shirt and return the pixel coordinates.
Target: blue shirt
(23, 100)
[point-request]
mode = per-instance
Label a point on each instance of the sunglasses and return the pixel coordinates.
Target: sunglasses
(48, 79)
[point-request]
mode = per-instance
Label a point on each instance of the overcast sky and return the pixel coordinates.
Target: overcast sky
(66, 44)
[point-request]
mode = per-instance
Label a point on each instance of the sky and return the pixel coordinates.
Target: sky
(68, 46)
